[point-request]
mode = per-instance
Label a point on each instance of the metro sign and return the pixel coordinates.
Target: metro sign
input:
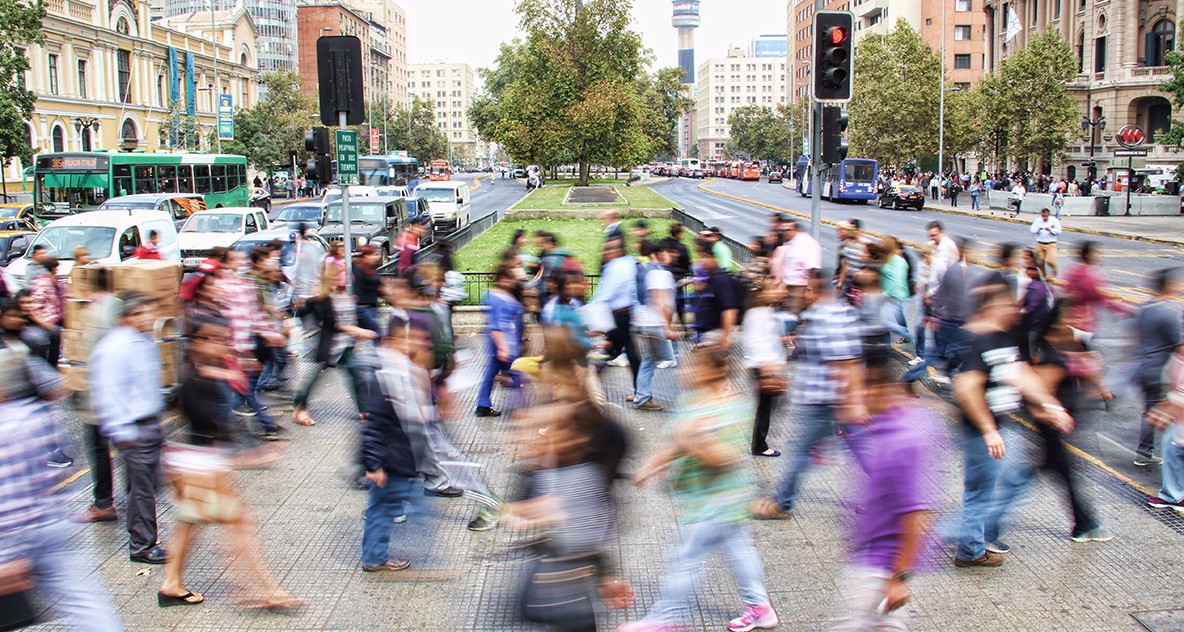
(1131, 136)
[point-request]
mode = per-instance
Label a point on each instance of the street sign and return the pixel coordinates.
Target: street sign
(347, 157)
(1129, 153)
(373, 140)
(1131, 136)
(225, 117)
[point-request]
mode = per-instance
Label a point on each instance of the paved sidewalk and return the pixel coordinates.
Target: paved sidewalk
(1161, 229)
(311, 524)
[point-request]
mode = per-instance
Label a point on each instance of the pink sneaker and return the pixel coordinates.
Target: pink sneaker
(754, 617)
(645, 626)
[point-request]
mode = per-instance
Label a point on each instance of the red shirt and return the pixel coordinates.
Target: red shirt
(408, 245)
(147, 251)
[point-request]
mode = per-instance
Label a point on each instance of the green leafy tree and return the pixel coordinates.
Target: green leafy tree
(664, 101)
(485, 111)
(20, 26)
(1174, 87)
(762, 133)
(1027, 100)
(182, 131)
(966, 130)
(894, 101)
(275, 126)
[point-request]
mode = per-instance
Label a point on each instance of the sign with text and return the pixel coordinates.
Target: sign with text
(1129, 153)
(347, 157)
(225, 117)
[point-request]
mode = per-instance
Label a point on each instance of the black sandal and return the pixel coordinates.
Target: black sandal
(165, 601)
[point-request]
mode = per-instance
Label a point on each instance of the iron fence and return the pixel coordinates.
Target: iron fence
(456, 239)
(478, 283)
(740, 251)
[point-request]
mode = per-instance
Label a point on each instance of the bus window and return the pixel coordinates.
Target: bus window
(123, 179)
(167, 178)
(201, 175)
(185, 179)
(219, 175)
(858, 171)
(145, 179)
(241, 170)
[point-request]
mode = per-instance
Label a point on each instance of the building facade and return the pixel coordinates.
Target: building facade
(329, 19)
(728, 83)
(448, 86)
(276, 44)
(769, 46)
(393, 20)
(1120, 47)
(107, 77)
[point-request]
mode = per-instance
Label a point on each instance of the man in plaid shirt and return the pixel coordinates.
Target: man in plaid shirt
(827, 390)
(248, 320)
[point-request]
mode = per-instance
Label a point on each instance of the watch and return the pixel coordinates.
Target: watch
(903, 576)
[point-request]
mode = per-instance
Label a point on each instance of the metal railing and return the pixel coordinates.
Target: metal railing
(456, 239)
(740, 252)
(478, 283)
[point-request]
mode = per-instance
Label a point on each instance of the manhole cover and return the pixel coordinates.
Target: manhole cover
(592, 195)
(1161, 620)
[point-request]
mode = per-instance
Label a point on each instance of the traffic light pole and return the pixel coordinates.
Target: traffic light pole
(815, 169)
(345, 234)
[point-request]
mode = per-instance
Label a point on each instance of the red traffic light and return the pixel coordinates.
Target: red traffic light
(837, 35)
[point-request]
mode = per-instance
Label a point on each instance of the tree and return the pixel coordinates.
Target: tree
(1028, 101)
(183, 130)
(664, 101)
(275, 126)
(894, 101)
(20, 26)
(761, 133)
(1174, 87)
(966, 130)
(485, 109)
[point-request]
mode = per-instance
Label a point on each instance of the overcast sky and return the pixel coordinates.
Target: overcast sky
(470, 30)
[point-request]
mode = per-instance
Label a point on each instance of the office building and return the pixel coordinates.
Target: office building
(449, 87)
(276, 44)
(728, 83)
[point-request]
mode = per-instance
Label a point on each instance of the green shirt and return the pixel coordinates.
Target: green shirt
(894, 278)
(723, 255)
(702, 493)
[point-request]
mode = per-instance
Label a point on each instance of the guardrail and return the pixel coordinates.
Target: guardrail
(740, 252)
(456, 239)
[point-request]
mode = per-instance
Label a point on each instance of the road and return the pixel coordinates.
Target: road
(492, 199)
(1109, 436)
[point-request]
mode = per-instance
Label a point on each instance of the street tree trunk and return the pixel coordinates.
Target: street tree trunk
(584, 169)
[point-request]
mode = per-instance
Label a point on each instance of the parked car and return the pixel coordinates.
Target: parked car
(450, 203)
(109, 237)
(775, 176)
(288, 237)
(905, 195)
(221, 227)
(292, 215)
(179, 205)
(14, 243)
(374, 220)
(260, 198)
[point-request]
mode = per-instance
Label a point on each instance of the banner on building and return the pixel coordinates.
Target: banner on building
(225, 117)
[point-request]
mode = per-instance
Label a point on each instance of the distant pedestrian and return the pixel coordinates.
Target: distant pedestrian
(149, 250)
(1047, 229)
(503, 328)
(1157, 328)
(976, 188)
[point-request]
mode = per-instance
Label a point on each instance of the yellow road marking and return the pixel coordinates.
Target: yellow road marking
(86, 470)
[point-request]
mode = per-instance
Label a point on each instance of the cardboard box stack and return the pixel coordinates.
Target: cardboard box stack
(158, 280)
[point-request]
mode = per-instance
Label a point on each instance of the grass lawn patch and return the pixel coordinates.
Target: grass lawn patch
(582, 237)
(550, 198)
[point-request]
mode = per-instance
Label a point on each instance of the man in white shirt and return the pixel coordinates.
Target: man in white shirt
(945, 254)
(1046, 228)
(652, 321)
(793, 262)
(1018, 193)
(934, 187)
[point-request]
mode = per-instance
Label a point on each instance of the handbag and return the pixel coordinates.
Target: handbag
(203, 485)
(16, 612)
(561, 591)
(773, 384)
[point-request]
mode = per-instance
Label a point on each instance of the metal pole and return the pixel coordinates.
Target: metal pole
(216, 93)
(815, 149)
(941, 108)
(1130, 182)
(345, 234)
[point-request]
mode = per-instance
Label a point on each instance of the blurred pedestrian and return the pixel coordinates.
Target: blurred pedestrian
(47, 306)
(794, 261)
(651, 322)
(1157, 327)
(704, 455)
(717, 312)
(1047, 229)
(149, 250)
(618, 291)
(125, 370)
(367, 286)
(765, 357)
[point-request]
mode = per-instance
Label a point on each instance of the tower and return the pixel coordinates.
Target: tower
(686, 20)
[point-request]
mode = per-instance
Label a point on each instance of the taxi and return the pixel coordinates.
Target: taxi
(16, 216)
(14, 243)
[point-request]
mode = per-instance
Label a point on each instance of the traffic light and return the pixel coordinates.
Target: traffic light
(316, 141)
(832, 55)
(834, 123)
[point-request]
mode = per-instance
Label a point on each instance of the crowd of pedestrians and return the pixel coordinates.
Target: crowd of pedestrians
(759, 336)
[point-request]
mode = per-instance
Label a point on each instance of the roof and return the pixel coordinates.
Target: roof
(114, 219)
(200, 20)
(136, 197)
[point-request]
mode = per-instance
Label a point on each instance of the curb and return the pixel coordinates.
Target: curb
(1071, 229)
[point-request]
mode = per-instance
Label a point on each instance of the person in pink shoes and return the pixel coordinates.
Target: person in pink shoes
(707, 459)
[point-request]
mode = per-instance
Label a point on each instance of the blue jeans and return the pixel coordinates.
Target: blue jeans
(948, 344)
(654, 348)
(60, 572)
(980, 475)
(699, 541)
(974, 201)
(495, 366)
(383, 504)
(1172, 453)
(368, 318)
(251, 399)
(892, 315)
(817, 423)
(1014, 479)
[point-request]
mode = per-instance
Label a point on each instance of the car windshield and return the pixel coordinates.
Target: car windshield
(433, 194)
(62, 240)
(9, 211)
(359, 212)
(303, 213)
(909, 189)
(214, 223)
(131, 205)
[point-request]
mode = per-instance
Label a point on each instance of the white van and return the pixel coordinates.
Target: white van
(109, 237)
(450, 202)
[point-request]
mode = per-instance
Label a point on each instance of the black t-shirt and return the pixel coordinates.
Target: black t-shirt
(723, 293)
(996, 354)
(367, 282)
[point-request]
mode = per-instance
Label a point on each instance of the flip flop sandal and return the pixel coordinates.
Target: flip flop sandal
(166, 601)
(303, 418)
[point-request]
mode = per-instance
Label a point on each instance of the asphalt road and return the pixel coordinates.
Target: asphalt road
(492, 199)
(1109, 436)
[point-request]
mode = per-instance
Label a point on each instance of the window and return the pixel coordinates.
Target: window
(962, 5)
(252, 225)
(82, 78)
(1081, 52)
(201, 174)
(124, 62)
(145, 179)
(59, 139)
(1160, 40)
(961, 85)
(1081, 5)
(962, 62)
(962, 33)
(53, 74)
(167, 177)
(1100, 54)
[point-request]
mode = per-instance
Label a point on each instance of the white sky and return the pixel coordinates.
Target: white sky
(470, 31)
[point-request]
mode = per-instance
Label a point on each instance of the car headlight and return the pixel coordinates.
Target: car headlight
(360, 241)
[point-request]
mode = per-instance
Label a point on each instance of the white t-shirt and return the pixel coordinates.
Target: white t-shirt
(646, 315)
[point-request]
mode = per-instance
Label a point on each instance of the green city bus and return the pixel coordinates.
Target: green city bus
(65, 183)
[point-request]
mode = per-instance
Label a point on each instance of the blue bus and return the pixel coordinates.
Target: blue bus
(850, 179)
(389, 170)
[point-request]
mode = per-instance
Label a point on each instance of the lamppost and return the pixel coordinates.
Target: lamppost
(1091, 125)
(85, 123)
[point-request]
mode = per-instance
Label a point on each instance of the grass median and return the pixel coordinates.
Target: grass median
(551, 197)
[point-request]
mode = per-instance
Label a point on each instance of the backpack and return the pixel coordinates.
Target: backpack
(910, 275)
(642, 270)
